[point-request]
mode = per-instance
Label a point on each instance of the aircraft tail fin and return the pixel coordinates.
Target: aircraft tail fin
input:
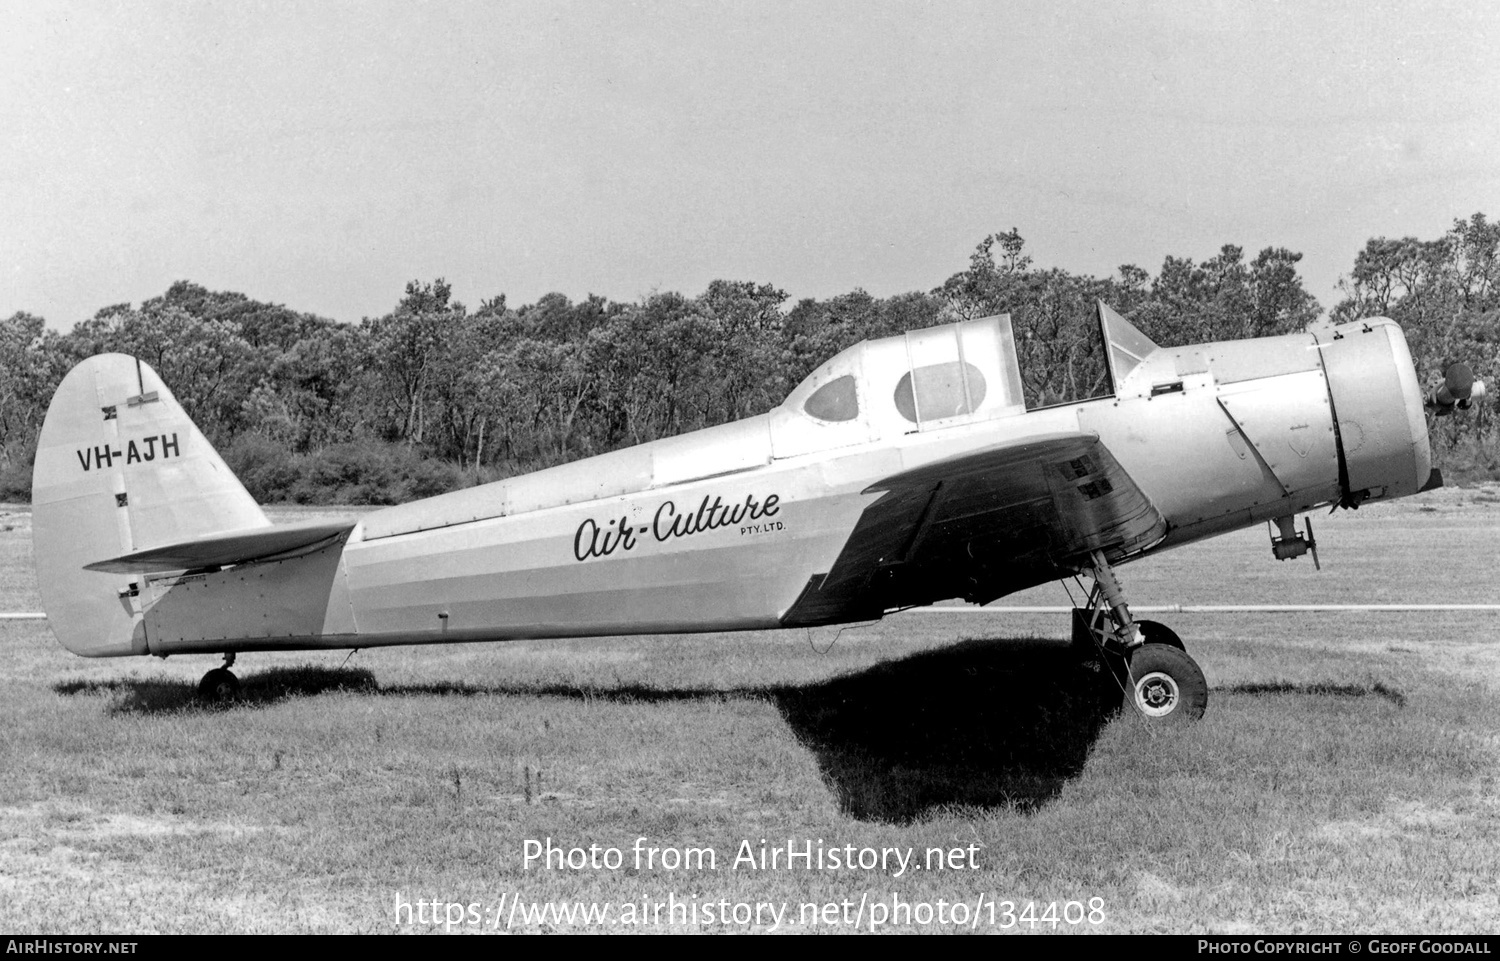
(120, 469)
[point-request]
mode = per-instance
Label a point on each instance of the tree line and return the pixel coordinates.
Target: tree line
(434, 395)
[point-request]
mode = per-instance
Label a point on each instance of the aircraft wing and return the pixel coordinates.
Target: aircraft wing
(221, 550)
(983, 525)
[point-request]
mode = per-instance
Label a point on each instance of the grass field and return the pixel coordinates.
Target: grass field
(1343, 780)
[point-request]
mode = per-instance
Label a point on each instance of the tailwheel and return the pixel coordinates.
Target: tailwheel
(220, 686)
(1166, 683)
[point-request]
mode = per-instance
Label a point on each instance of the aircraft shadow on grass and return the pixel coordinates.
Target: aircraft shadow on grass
(161, 696)
(1319, 689)
(987, 724)
(980, 724)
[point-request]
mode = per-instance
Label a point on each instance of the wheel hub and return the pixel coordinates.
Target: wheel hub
(1156, 694)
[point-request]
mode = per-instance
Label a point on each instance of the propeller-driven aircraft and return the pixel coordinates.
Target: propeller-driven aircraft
(904, 471)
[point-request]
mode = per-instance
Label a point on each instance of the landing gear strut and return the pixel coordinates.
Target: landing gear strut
(219, 686)
(1148, 659)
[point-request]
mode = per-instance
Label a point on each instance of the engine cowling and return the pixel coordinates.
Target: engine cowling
(1378, 410)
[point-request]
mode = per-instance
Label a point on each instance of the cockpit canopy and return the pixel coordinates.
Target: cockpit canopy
(924, 380)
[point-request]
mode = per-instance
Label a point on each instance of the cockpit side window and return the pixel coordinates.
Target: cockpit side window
(942, 390)
(835, 401)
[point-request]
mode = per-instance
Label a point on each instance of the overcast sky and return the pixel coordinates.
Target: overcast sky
(322, 154)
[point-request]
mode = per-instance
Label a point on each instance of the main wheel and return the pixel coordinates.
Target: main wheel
(219, 686)
(1155, 632)
(1166, 683)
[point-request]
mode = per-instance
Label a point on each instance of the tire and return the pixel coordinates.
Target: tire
(219, 686)
(1155, 632)
(1166, 684)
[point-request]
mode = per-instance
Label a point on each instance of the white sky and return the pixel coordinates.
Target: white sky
(322, 154)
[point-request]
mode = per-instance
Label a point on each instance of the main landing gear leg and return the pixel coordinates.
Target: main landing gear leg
(1156, 674)
(219, 685)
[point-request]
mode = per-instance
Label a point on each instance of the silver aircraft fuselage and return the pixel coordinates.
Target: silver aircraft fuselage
(733, 527)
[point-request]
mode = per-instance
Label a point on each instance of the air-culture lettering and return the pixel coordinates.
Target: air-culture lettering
(595, 539)
(164, 446)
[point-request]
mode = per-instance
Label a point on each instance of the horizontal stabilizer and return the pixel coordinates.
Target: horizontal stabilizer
(221, 550)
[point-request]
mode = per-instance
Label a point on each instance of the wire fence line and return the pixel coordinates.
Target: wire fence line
(1135, 608)
(1217, 608)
